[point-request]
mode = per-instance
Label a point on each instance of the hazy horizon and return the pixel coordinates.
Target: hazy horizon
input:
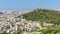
(29, 4)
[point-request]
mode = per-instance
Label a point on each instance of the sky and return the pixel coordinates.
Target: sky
(29, 4)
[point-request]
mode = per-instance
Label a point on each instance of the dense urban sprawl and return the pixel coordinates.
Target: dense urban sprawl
(11, 23)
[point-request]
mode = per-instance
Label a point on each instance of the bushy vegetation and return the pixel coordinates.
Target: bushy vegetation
(44, 15)
(54, 30)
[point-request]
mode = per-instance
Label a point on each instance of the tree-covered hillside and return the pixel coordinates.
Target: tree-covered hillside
(43, 15)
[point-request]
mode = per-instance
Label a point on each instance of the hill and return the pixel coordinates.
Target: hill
(44, 15)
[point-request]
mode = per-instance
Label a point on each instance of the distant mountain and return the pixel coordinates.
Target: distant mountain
(43, 15)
